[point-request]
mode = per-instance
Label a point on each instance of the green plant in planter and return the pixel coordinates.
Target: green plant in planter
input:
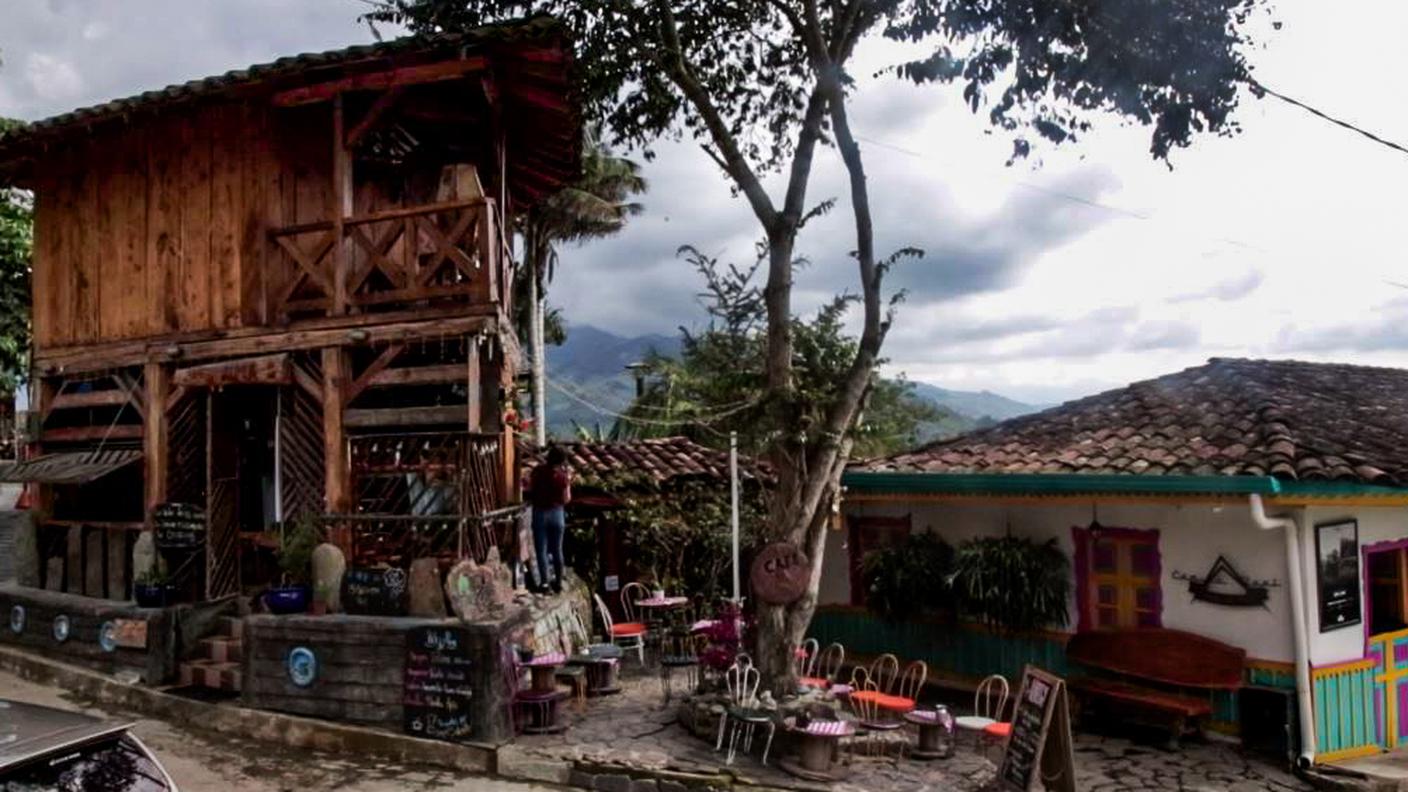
(295, 551)
(909, 578)
(1013, 584)
(156, 575)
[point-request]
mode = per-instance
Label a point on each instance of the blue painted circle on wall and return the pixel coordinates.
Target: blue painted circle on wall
(17, 619)
(107, 636)
(302, 666)
(61, 628)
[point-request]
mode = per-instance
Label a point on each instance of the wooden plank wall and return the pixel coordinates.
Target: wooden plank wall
(157, 227)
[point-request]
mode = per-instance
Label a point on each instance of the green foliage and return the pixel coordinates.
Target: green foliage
(715, 384)
(16, 246)
(1172, 65)
(1012, 583)
(910, 578)
(682, 537)
(295, 550)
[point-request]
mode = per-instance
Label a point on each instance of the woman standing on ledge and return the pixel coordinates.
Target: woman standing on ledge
(550, 490)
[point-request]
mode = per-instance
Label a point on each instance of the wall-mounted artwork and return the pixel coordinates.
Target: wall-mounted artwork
(1337, 568)
(1224, 585)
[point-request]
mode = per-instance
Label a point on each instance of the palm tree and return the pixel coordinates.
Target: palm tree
(596, 205)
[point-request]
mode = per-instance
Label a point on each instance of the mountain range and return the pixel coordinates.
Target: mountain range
(592, 382)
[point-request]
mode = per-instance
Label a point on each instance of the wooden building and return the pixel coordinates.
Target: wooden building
(285, 291)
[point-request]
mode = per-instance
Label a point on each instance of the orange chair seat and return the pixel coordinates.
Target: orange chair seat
(999, 730)
(627, 629)
(895, 703)
(816, 682)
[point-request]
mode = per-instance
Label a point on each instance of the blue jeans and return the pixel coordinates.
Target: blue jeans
(548, 527)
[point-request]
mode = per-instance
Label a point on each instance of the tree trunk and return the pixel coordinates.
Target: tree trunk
(536, 351)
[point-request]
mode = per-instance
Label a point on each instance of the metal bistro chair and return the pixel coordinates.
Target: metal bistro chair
(627, 634)
(989, 701)
(906, 693)
(825, 666)
(804, 656)
(874, 720)
(679, 651)
(742, 714)
(883, 671)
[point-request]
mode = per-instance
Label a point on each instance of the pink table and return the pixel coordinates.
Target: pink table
(816, 754)
(544, 670)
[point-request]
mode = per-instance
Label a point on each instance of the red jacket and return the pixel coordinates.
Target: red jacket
(549, 487)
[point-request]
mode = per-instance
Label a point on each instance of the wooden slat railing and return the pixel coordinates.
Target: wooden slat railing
(400, 258)
(1346, 724)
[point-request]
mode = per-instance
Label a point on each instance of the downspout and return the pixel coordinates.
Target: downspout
(1298, 625)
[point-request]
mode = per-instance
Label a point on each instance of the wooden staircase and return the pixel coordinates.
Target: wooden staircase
(218, 661)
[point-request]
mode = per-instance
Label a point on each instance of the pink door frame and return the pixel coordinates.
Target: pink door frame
(1364, 581)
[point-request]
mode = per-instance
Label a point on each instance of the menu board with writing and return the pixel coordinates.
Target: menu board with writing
(179, 526)
(1040, 745)
(437, 688)
(374, 591)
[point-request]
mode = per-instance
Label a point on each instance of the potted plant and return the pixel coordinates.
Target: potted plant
(152, 589)
(295, 555)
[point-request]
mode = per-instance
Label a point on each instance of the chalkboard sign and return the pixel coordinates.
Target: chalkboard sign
(179, 526)
(437, 690)
(1040, 746)
(374, 591)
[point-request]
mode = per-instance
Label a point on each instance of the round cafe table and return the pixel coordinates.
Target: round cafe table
(816, 753)
(544, 671)
(541, 700)
(935, 733)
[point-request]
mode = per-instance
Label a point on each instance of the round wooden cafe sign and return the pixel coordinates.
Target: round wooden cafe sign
(780, 572)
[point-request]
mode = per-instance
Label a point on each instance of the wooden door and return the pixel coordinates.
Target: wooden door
(222, 562)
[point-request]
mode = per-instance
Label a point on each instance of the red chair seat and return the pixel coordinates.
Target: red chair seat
(1000, 731)
(627, 629)
(815, 682)
(895, 703)
(866, 695)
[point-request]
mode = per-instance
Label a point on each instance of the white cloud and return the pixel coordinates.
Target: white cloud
(51, 78)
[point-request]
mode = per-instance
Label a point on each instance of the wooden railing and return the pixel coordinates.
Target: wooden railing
(396, 259)
(397, 540)
(1346, 724)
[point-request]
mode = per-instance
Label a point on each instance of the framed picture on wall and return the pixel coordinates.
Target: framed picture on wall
(1337, 569)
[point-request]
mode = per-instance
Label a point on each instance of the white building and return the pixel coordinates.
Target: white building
(1294, 474)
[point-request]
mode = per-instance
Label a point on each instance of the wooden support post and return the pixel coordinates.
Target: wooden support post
(46, 391)
(342, 206)
(336, 378)
(473, 384)
(157, 386)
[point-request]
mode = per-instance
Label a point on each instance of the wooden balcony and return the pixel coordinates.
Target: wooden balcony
(432, 256)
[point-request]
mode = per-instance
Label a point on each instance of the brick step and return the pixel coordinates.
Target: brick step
(231, 627)
(210, 674)
(222, 649)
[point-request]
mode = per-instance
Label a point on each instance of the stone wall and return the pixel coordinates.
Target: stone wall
(361, 668)
(169, 630)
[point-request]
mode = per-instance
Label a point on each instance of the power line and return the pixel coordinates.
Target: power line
(1326, 116)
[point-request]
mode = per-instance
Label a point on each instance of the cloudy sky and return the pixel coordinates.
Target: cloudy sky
(1093, 267)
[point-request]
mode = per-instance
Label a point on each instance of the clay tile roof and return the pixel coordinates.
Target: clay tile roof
(660, 459)
(1290, 419)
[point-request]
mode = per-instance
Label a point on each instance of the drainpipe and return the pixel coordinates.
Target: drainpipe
(1302, 640)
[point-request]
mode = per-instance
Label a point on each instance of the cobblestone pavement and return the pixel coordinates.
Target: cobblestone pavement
(635, 730)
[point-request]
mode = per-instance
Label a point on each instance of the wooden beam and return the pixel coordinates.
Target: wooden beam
(76, 434)
(380, 81)
(379, 328)
(406, 416)
(263, 370)
(342, 205)
(383, 360)
(374, 113)
(419, 375)
(474, 377)
(379, 217)
(337, 486)
(102, 398)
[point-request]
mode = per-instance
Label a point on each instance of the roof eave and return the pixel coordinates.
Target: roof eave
(901, 483)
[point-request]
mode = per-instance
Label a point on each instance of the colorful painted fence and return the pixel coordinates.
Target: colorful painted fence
(1348, 717)
(961, 650)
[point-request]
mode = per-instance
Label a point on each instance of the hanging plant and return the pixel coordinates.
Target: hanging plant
(909, 578)
(1013, 584)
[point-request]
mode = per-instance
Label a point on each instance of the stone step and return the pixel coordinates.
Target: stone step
(210, 674)
(222, 649)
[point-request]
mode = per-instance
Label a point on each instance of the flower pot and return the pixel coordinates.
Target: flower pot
(319, 607)
(150, 595)
(287, 599)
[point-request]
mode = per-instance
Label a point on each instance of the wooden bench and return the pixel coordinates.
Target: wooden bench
(1157, 677)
